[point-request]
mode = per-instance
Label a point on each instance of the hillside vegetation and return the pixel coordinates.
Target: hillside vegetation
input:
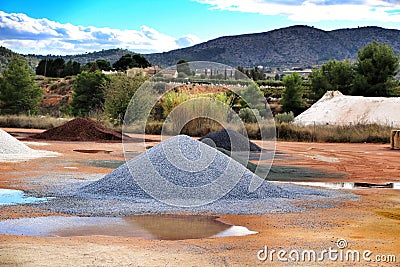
(292, 46)
(287, 47)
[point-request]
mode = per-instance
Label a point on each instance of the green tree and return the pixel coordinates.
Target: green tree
(292, 95)
(376, 68)
(253, 98)
(249, 115)
(124, 63)
(183, 68)
(140, 61)
(88, 93)
(118, 93)
(57, 68)
(128, 61)
(333, 75)
(256, 73)
(103, 64)
(18, 90)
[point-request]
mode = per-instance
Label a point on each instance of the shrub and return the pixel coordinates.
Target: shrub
(249, 115)
(286, 117)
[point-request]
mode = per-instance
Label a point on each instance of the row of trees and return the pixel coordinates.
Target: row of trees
(93, 90)
(256, 73)
(373, 74)
(131, 61)
(97, 92)
(59, 68)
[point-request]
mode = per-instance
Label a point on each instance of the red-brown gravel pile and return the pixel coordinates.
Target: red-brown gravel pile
(80, 129)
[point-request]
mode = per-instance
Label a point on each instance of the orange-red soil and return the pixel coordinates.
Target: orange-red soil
(372, 223)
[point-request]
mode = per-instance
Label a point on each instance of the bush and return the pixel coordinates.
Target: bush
(118, 92)
(88, 93)
(249, 115)
(286, 117)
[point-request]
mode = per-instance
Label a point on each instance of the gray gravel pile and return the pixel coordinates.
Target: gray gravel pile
(230, 140)
(11, 149)
(190, 164)
(185, 162)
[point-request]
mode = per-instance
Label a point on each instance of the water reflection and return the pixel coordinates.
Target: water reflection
(13, 197)
(346, 185)
(164, 227)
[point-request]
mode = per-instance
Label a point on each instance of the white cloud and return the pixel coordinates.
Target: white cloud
(315, 10)
(42, 36)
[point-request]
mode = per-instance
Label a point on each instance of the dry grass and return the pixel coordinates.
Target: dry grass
(37, 122)
(371, 133)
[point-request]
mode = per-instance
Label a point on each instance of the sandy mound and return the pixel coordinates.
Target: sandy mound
(12, 149)
(80, 129)
(224, 137)
(334, 108)
(199, 165)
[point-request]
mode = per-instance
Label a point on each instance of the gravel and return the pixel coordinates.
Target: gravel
(11, 149)
(226, 137)
(184, 162)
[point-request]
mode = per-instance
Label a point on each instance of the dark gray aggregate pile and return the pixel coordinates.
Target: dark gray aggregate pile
(226, 137)
(188, 163)
(120, 182)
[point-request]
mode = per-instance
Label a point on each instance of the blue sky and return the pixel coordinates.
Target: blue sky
(78, 26)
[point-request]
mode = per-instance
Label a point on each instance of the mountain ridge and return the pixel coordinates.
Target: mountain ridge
(293, 46)
(298, 45)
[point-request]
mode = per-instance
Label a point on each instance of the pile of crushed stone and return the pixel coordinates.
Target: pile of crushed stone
(143, 185)
(204, 165)
(225, 138)
(334, 108)
(11, 149)
(80, 129)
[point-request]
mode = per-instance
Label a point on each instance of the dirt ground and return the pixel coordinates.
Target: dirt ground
(371, 223)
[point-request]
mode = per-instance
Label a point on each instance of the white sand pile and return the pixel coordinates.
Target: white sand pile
(334, 108)
(12, 149)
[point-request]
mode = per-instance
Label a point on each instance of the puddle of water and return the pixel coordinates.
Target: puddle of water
(13, 197)
(92, 151)
(394, 185)
(35, 143)
(322, 158)
(293, 173)
(113, 164)
(160, 227)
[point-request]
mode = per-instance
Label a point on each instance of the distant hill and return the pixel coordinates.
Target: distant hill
(110, 55)
(292, 46)
(299, 46)
(6, 55)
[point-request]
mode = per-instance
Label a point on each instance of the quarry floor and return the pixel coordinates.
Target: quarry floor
(371, 223)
